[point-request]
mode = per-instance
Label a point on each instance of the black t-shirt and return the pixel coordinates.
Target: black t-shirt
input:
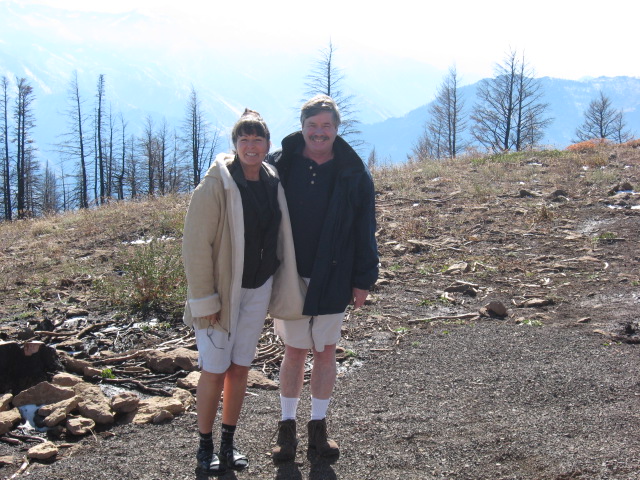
(262, 216)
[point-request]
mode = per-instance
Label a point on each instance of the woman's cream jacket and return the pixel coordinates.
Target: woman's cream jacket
(213, 252)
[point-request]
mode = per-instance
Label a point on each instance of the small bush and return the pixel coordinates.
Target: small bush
(589, 146)
(635, 143)
(151, 279)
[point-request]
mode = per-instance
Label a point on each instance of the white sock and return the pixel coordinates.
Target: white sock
(289, 407)
(319, 408)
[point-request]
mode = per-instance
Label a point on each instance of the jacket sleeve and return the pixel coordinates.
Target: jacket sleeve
(365, 270)
(200, 228)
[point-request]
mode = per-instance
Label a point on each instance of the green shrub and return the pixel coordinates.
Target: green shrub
(151, 279)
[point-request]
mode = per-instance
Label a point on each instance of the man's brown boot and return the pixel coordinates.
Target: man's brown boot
(318, 439)
(287, 442)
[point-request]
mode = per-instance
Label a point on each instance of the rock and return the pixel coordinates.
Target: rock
(537, 302)
(42, 394)
(190, 382)
(91, 372)
(494, 308)
(258, 380)
(80, 425)
(8, 420)
(7, 460)
(527, 194)
(125, 402)
(185, 396)
(152, 407)
(624, 187)
(56, 413)
(65, 379)
(460, 267)
(43, 451)
(463, 287)
(5, 402)
(75, 365)
(559, 193)
(170, 362)
(76, 312)
(584, 320)
(418, 246)
(399, 250)
(93, 403)
(162, 416)
(31, 347)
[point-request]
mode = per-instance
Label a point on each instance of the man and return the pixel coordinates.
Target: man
(330, 197)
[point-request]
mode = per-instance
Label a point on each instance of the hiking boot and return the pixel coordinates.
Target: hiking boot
(209, 462)
(318, 439)
(233, 459)
(287, 442)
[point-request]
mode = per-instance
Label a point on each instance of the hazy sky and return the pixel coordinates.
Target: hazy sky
(561, 38)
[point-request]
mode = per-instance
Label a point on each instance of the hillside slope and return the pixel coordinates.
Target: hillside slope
(440, 381)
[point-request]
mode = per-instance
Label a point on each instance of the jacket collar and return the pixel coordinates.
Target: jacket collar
(235, 169)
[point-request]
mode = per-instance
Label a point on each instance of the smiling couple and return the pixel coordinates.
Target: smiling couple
(290, 233)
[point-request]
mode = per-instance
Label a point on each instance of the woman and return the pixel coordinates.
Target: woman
(236, 234)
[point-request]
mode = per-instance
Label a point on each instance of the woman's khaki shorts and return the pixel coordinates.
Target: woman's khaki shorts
(217, 349)
(315, 332)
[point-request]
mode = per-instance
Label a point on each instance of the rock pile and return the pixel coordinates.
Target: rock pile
(68, 405)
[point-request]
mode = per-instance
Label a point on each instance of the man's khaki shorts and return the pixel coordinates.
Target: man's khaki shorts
(316, 332)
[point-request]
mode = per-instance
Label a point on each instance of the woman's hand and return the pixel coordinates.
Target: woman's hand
(213, 318)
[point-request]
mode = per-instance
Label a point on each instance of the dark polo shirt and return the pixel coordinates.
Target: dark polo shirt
(308, 190)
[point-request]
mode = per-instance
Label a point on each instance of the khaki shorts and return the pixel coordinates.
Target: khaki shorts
(217, 349)
(315, 332)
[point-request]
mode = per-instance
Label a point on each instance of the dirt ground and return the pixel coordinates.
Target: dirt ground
(437, 382)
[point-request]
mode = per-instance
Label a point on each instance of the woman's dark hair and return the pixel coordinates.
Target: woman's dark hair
(250, 123)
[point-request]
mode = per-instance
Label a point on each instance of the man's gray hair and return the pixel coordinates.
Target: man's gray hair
(318, 104)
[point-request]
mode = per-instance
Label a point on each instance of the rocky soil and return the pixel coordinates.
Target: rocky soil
(501, 341)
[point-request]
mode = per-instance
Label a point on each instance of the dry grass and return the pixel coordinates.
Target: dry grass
(92, 249)
(79, 247)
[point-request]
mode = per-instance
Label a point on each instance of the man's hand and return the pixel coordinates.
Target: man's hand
(359, 296)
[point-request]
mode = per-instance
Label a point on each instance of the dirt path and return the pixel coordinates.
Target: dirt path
(487, 400)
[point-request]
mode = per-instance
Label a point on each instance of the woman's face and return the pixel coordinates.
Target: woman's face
(251, 150)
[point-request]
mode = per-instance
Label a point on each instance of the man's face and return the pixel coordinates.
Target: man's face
(319, 133)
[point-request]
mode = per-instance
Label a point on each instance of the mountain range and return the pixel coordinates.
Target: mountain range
(567, 99)
(391, 94)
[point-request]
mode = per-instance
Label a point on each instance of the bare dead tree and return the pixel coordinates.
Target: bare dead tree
(148, 147)
(446, 123)
(509, 113)
(120, 175)
(73, 145)
(4, 135)
(602, 121)
(161, 137)
(199, 139)
(49, 195)
(132, 179)
(99, 147)
(24, 122)
(326, 78)
(110, 155)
